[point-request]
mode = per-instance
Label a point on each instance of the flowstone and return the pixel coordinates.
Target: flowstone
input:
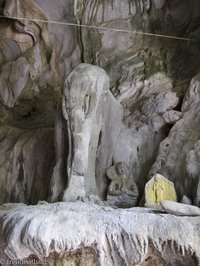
(74, 233)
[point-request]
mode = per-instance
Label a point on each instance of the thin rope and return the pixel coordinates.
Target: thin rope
(102, 28)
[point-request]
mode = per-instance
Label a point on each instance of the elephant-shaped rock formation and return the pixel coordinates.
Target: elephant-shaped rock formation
(93, 118)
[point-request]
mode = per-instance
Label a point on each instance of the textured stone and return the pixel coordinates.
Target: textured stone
(197, 195)
(113, 50)
(122, 191)
(13, 80)
(180, 209)
(171, 117)
(159, 3)
(159, 189)
(63, 40)
(34, 57)
(145, 128)
(93, 118)
(132, 81)
(99, 235)
(25, 177)
(180, 12)
(186, 200)
(178, 156)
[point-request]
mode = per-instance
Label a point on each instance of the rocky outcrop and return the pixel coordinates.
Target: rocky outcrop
(144, 129)
(178, 156)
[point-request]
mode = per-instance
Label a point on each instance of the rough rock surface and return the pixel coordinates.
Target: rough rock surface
(24, 176)
(34, 58)
(116, 51)
(178, 157)
(97, 235)
(145, 128)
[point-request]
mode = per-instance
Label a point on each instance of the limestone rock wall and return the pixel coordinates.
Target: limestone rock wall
(134, 100)
(143, 69)
(35, 58)
(149, 77)
(25, 177)
(114, 51)
(178, 156)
